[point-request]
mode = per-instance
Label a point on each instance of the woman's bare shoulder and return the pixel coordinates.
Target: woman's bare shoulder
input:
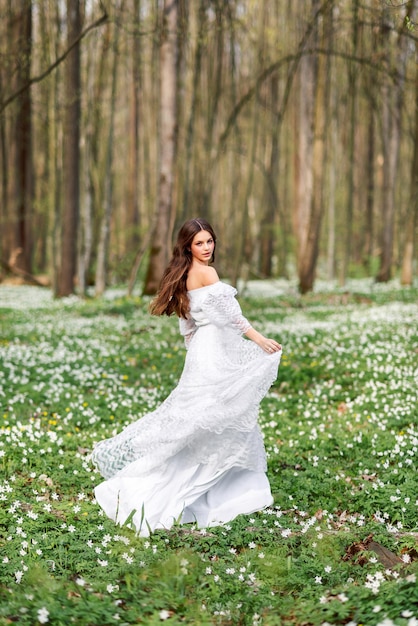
(209, 275)
(201, 277)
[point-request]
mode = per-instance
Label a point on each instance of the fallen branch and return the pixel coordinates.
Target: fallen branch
(13, 269)
(356, 551)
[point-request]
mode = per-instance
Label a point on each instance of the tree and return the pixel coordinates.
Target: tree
(104, 232)
(332, 166)
(19, 206)
(412, 213)
(208, 128)
(71, 156)
(392, 104)
(306, 222)
(353, 95)
(165, 213)
(132, 193)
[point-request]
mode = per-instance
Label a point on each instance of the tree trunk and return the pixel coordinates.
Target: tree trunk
(368, 238)
(267, 222)
(318, 77)
(412, 223)
(243, 234)
(4, 182)
(86, 230)
(85, 236)
(304, 172)
(21, 182)
(393, 97)
(102, 251)
(307, 263)
(132, 202)
(94, 173)
(352, 94)
(205, 189)
(71, 157)
(55, 138)
(161, 238)
(270, 192)
(332, 165)
(196, 96)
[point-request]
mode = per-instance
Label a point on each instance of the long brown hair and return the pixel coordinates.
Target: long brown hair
(172, 294)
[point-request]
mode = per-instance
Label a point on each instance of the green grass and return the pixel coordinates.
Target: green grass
(341, 433)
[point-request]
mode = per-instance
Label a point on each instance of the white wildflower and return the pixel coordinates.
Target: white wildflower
(43, 615)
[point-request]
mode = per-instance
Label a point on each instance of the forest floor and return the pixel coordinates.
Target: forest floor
(340, 543)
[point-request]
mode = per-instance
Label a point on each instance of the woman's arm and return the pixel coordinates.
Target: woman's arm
(224, 309)
(187, 329)
(268, 345)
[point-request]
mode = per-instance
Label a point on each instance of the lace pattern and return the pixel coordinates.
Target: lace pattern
(210, 418)
(221, 307)
(187, 328)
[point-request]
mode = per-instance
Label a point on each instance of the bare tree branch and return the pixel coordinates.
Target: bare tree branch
(51, 68)
(266, 73)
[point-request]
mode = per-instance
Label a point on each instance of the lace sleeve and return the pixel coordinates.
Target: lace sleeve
(187, 329)
(223, 309)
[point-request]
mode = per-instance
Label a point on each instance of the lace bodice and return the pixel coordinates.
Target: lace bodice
(213, 304)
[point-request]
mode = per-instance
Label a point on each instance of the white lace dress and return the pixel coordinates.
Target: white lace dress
(200, 456)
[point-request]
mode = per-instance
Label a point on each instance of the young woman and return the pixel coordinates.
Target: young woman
(200, 456)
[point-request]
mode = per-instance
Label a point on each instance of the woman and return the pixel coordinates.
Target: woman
(200, 456)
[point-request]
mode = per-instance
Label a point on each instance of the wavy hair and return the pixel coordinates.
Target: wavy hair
(172, 294)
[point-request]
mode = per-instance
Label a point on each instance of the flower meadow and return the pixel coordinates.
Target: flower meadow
(340, 543)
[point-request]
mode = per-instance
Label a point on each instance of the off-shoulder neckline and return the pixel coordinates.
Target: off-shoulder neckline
(204, 287)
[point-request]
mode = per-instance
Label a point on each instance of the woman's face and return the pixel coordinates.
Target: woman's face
(202, 247)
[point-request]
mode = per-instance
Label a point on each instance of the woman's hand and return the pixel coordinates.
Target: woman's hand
(268, 345)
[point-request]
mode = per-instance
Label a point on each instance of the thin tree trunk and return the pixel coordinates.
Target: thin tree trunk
(104, 233)
(267, 223)
(307, 265)
(132, 202)
(368, 240)
(56, 150)
(393, 97)
(214, 104)
(71, 160)
(85, 238)
(48, 194)
(412, 217)
(331, 215)
(4, 182)
(92, 108)
(86, 234)
(20, 207)
(139, 257)
(44, 193)
(243, 235)
(161, 238)
(333, 129)
(304, 172)
(86, 230)
(196, 95)
(352, 89)
(224, 214)
(270, 192)
(309, 243)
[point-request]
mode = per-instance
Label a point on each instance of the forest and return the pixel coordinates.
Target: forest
(292, 125)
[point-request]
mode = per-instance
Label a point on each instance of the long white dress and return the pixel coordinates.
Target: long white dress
(200, 456)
